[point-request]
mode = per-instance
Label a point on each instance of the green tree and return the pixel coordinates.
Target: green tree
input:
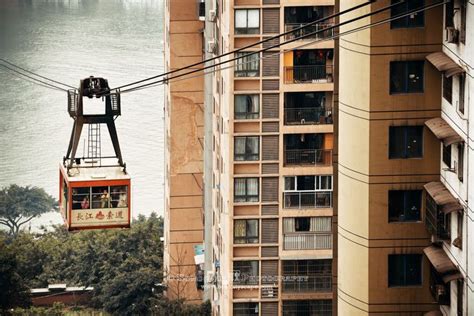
(19, 205)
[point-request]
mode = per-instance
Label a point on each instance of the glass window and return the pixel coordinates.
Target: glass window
(307, 308)
(413, 20)
(247, 21)
(246, 148)
(447, 155)
(302, 224)
(461, 161)
(81, 198)
(290, 184)
(118, 196)
(64, 198)
(404, 205)
(246, 106)
(406, 76)
(247, 64)
(462, 83)
(246, 231)
(448, 88)
(405, 142)
(246, 272)
(404, 270)
(246, 190)
(245, 309)
(100, 197)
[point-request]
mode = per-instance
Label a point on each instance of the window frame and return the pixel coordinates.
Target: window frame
(460, 167)
(406, 278)
(251, 279)
(317, 183)
(447, 88)
(447, 155)
(247, 239)
(246, 30)
(407, 130)
(406, 203)
(405, 76)
(247, 115)
(247, 64)
(462, 93)
(247, 198)
(403, 23)
(247, 155)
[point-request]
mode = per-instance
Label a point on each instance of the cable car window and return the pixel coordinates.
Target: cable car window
(100, 197)
(80, 198)
(118, 196)
(64, 196)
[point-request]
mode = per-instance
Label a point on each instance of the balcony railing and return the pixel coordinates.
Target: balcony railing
(322, 157)
(311, 32)
(310, 283)
(300, 200)
(308, 74)
(304, 241)
(308, 115)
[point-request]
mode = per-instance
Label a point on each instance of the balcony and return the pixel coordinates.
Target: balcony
(316, 157)
(306, 283)
(303, 200)
(309, 33)
(308, 116)
(307, 241)
(308, 74)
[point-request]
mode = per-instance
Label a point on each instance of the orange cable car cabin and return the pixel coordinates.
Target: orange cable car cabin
(94, 190)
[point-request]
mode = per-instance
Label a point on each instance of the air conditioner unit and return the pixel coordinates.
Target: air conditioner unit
(211, 47)
(452, 35)
(212, 15)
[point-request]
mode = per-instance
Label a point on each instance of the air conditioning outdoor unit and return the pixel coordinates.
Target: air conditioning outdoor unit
(452, 35)
(212, 15)
(211, 47)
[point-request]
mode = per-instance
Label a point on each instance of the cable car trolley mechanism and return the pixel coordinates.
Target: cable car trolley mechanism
(94, 190)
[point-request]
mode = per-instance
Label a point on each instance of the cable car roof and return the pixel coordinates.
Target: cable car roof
(89, 173)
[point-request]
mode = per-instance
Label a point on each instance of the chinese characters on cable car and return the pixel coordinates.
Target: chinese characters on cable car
(104, 205)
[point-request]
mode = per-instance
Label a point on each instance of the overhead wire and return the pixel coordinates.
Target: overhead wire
(399, 16)
(35, 74)
(251, 45)
(33, 80)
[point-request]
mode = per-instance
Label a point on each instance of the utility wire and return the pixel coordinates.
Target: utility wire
(399, 16)
(253, 44)
(29, 80)
(34, 80)
(35, 74)
(164, 80)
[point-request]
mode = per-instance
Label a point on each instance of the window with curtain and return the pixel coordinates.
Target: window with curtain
(405, 142)
(413, 20)
(246, 148)
(312, 224)
(246, 231)
(247, 21)
(405, 270)
(247, 64)
(404, 205)
(245, 309)
(246, 272)
(407, 76)
(246, 106)
(246, 190)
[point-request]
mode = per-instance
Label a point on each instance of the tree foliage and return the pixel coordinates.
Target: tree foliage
(19, 205)
(124, 266)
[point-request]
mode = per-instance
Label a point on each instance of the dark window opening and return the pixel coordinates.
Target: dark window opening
(413, 20)
(302, 224)
(406, 77)
(405, 142)
(461, 162)
(447, 155)
(404, 270)
(404, 205)
(448, 88)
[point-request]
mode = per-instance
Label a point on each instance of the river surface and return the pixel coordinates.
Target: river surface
(68, 40)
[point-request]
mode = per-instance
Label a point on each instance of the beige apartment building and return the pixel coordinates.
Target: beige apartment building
(273, 145)
(387, 91)
(184, 145)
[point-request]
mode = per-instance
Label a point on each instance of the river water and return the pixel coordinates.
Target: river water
(68, 40)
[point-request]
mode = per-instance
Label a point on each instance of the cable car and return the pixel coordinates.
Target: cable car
(94, 190)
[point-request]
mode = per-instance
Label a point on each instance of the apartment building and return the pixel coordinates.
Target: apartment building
(388, 163)
(184, 146)
(448, 211)
(272, 152)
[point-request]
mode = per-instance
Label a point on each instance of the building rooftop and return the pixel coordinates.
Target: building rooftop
(88, 172)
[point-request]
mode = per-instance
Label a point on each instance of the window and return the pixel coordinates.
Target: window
(246, 231)
(461, 162)
(246, 190)
(81, 198)
(307, 308)
(308, 183)
(306, 275)
(64, 198)
(246, 148)
(447, 155)
(462, 31)
(448, 89)
(308, 192)
(413, 20)
(118, 196)
(458, 241)
(404, 270)
(245, 309)
(460, 294)
(246, 106)
(405, 142)
(449, 14)
(246, 272)
(100, 197)
(247, 64)
(247, 21)
(462, 83)
(406, 76)
(404, 205)
(302, 224)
